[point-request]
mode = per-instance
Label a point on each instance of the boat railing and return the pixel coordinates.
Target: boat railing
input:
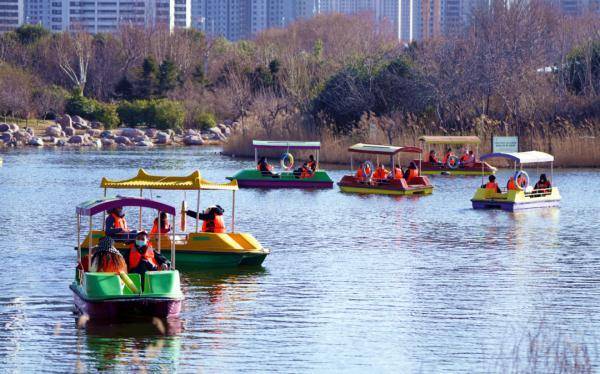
(539, 192)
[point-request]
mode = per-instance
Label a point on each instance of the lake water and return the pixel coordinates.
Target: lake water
(353, 283)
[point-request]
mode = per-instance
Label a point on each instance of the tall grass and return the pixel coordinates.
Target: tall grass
(572, 146)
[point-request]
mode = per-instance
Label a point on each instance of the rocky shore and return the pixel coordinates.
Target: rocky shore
(77, 132)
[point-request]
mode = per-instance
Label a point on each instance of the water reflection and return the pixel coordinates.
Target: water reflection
(150, 345)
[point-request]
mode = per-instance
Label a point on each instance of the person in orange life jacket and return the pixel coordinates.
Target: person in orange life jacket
(305, 171)
(116, 225)
(380, 172)
(360, 176)
(142, 257)
(492, 185)
(212, 217)
(312, 164)
(468, 159)
(165, 226)
(448, 154)
(510, 185)
(411, 172)
(433, 158)
(397, 173)
(265, 168)
(543, 183)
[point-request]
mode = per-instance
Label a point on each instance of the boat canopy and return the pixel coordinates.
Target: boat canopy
(93, 207)
(450, 139)
(375, 149)
(284, 144)
(143, 180)
(522, 157)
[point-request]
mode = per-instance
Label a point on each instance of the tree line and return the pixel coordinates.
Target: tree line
(521, 64)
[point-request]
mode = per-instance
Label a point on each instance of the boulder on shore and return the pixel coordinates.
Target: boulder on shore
(122, 140)
(77, 139)
(193, 140)
(4, 127)
(151, 133)
(107, 134)
(107, 143)
(36, 142)
(131, 132)
(65, 121)
(69, 131)
(144, 143)
(6, 137)
(61, 143)
(163, 138)
(54, 131)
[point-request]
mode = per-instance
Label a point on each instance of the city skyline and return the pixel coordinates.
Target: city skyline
(243, 19)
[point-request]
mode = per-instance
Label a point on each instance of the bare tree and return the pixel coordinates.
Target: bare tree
(74, 52)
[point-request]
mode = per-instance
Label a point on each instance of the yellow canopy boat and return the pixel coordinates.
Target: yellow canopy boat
(194, 249)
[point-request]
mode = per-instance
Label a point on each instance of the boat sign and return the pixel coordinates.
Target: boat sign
(505, 144)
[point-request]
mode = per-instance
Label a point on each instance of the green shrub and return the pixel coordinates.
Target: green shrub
(107, 114)
(90, 109)
(166, 114)
(160, 113)
(205, 120)
(133, 113)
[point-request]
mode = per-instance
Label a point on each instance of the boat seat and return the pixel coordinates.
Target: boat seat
(137, 281)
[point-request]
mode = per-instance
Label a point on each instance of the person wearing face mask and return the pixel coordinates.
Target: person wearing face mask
(142, 257)
(116, 225)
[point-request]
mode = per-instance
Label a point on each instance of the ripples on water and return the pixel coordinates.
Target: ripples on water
(353, 282)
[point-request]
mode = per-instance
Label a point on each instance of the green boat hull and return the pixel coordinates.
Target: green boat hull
(250, 178)
(190, 260)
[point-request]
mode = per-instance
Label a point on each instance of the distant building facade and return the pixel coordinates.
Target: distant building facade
(11, 14)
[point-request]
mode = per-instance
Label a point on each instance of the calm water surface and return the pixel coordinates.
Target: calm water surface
(354, 283)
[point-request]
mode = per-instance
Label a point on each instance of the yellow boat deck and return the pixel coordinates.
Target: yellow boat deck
(195, 242)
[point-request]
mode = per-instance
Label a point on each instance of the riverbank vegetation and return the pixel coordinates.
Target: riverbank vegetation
(524, 70)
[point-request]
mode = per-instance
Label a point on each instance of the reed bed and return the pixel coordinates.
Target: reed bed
(572, 146)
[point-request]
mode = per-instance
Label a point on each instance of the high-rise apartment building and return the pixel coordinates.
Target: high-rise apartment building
(108, 15)
(11, 14)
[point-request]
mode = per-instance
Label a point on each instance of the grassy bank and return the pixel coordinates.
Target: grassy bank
(572, 146)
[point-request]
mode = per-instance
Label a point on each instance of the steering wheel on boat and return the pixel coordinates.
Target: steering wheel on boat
(287, 161)
(518, 175)
(452, 162)
(367, 169)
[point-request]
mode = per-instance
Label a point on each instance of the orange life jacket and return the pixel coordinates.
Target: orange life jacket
(214, 225)
(464, 157)
(511, 184)
(305, 173)
(120, 222)
(360, 176)
(398, 173)
(135, 256)
(446, 157)
(312, 165)
(380, 173)
(412, 173)
(163, 230)
(543, 185)
(491, 186)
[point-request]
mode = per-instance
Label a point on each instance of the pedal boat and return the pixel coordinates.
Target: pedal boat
(349, 183)
(252, 178)
(449, 168)
(195, 249)
(110, 296)
(525, 197)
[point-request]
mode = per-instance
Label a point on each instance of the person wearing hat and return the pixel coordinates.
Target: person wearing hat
(212, 219)
(107, 259)
(543, 183)
(142, 257)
